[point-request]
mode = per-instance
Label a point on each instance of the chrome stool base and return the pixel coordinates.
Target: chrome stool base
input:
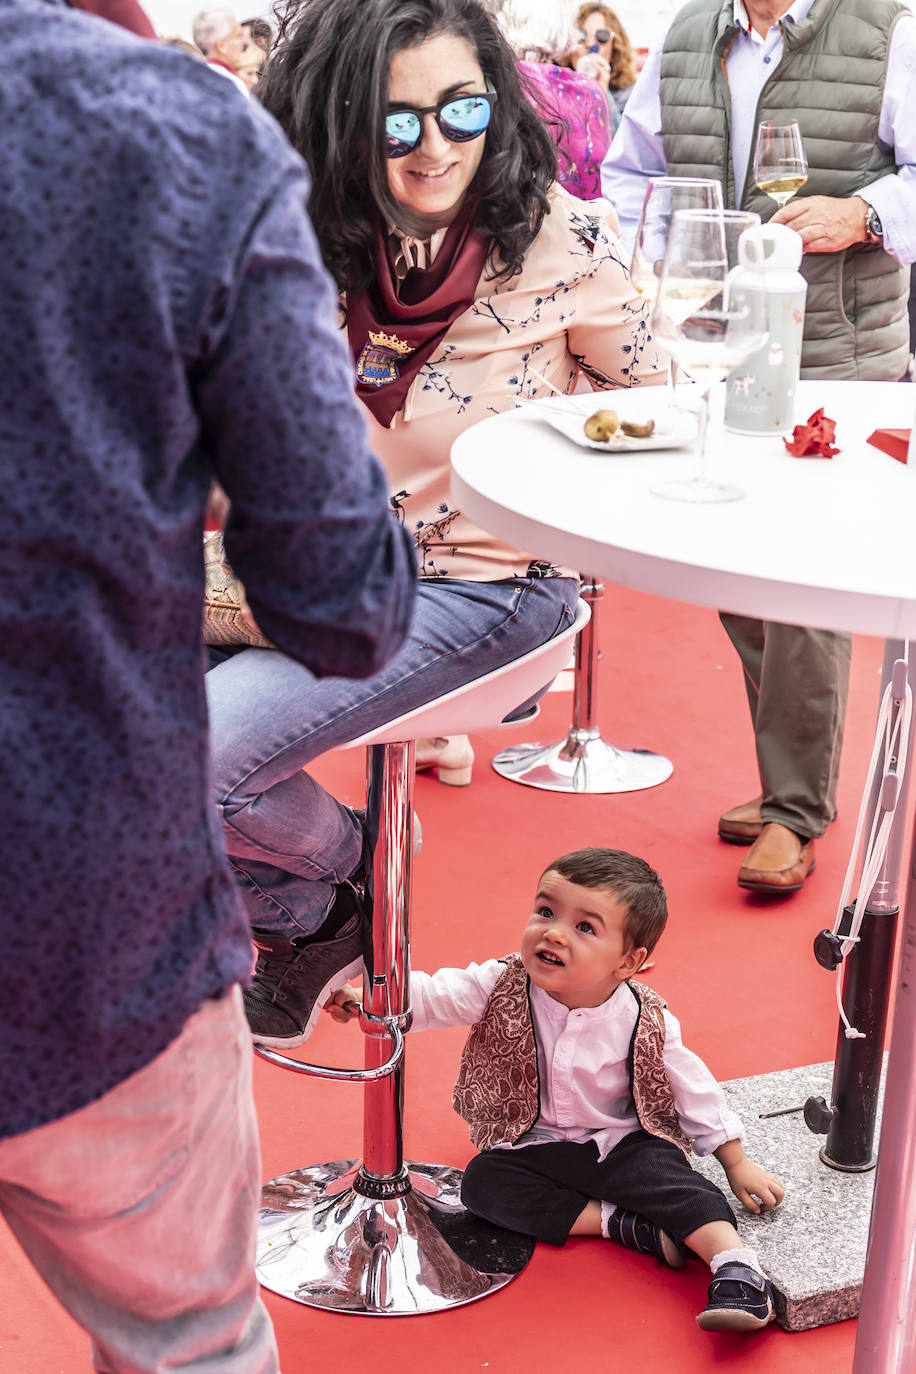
(323, 1242)
(583, 761)
(579, 764)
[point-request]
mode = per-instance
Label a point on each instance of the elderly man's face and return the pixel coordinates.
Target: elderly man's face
(231, 46)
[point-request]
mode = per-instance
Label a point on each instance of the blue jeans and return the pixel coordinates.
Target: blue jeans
(289, 840)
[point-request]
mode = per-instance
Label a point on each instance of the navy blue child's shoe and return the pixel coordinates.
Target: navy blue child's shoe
(740, 1299)
(638, 1233)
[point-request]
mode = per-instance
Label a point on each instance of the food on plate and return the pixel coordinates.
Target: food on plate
(634, 431)
(602, 425)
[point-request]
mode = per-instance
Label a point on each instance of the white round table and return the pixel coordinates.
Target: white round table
(824, 543)
(818, 542)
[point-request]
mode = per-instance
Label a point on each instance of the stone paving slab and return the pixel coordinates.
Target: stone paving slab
(813, 1246)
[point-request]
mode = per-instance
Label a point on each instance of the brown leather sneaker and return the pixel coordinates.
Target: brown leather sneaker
(778, 863)
(742, 824)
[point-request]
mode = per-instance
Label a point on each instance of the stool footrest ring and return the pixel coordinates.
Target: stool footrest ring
(387, 1023)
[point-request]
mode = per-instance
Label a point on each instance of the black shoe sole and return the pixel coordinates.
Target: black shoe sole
(744, 840)
(771, 890)
(733, 1319)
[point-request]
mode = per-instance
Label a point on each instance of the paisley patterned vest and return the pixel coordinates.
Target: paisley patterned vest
(497, 1092)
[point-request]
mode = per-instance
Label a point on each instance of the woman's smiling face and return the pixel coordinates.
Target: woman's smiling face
(432, 180)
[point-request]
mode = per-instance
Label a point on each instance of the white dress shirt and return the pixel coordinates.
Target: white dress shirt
(582, 1061)
(638, 153)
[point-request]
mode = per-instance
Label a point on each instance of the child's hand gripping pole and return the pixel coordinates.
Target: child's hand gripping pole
(345, 1004)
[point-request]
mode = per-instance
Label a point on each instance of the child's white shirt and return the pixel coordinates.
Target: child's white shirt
(582, 1061)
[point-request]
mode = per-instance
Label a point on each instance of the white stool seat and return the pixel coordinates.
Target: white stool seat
(484, 703)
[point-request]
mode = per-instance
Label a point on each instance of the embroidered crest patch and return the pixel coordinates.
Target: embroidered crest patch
(377, 364)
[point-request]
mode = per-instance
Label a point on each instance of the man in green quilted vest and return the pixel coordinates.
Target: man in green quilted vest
(846, 71)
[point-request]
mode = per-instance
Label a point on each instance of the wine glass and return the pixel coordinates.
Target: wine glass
(709, 319)
(664, 196)
(780, 165)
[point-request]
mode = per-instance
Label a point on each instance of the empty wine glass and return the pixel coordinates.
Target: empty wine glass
(709, 320)
(664, 197)
(780, 165)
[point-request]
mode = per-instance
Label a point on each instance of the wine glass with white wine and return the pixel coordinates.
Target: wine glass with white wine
(664, 197)
(780, 165)
(708, 319)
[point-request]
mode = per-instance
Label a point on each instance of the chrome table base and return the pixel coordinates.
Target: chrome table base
(324, 1243)
(583, 762)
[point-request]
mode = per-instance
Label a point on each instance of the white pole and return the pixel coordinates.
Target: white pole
(886, 1339)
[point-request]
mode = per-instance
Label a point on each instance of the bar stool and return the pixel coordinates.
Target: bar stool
(383, 1237)
(583, 761)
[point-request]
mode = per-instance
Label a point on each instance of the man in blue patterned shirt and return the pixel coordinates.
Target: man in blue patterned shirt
(166, 319)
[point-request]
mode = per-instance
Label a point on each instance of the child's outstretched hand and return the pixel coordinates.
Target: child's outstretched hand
(345, 1003)
(759, 1190)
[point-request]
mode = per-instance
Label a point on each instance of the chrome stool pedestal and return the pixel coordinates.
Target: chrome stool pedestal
(384, 1237)
(583, 761)
(416, 1252)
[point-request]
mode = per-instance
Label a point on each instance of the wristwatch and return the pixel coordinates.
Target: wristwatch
(874, 232)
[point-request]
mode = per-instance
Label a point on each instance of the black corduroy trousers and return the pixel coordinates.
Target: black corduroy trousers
(540, 1190)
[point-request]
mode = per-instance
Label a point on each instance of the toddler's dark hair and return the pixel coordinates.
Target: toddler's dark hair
(636, 886)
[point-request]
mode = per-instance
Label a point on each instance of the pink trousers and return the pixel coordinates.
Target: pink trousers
(139, 1211)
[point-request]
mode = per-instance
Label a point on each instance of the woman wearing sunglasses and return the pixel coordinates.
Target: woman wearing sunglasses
(574, 108)
(605, 53)
(467, 277)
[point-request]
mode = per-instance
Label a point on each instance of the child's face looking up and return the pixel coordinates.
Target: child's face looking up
(574, 946)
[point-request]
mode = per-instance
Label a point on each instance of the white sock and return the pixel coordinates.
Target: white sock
(607, 1211)
(741, 1256)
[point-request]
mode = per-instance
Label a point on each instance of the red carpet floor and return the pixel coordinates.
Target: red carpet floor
(737, 970)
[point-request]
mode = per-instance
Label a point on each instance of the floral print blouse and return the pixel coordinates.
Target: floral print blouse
(571, 311)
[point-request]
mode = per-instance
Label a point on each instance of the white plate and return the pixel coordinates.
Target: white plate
(673, 427)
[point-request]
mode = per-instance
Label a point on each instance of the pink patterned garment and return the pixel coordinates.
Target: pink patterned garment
(575, 110)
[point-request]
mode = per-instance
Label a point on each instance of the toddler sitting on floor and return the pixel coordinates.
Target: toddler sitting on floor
(582, 1099)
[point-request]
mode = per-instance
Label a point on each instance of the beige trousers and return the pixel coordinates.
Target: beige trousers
(797, 681)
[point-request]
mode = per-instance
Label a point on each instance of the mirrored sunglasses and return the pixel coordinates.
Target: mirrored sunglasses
(459, 121)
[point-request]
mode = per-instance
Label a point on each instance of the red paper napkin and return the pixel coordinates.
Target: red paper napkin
(813, 439)
(896, 442)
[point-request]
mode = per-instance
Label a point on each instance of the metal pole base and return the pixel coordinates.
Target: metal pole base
(865, 1168)
(323, 1243)
(582, 763)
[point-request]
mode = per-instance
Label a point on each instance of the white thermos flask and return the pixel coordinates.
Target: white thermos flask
(760, 394)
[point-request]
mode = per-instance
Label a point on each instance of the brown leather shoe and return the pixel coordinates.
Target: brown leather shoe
(742, 824)
(778, 863)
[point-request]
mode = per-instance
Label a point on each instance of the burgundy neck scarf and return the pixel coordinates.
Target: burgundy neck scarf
(395, 326)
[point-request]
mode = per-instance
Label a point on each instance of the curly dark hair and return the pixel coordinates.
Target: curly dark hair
(636, 886)
(327, 84)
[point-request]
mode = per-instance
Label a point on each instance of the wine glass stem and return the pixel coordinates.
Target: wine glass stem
(703, 425)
